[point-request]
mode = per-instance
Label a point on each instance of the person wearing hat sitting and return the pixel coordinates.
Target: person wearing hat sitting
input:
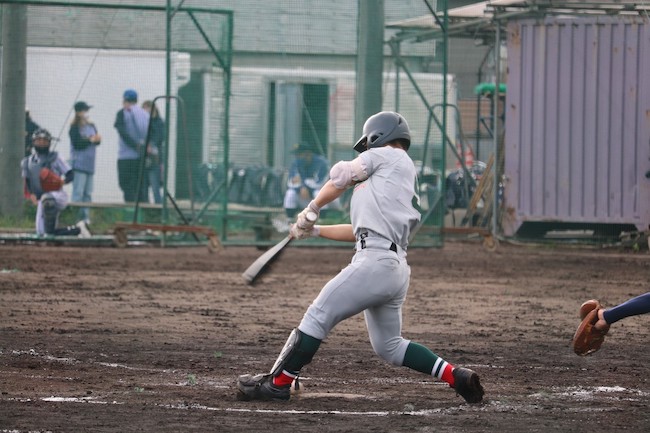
(84, 140)
(308, 173)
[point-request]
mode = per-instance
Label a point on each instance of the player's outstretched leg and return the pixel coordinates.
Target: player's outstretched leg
(276, 385)
(464, 381)
(468, 385)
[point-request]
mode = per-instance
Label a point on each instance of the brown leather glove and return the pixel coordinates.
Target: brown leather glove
(587, 339)
(50, 181)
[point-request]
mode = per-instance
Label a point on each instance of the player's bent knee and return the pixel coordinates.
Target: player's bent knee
(391, 351)
(315, 324)
(50, 213)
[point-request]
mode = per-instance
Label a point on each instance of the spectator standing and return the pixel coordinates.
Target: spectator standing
(154, 157)
(131, 123)
(84, 140)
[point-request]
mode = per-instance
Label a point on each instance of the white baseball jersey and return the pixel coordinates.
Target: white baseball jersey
(386, 202)
(384, 208)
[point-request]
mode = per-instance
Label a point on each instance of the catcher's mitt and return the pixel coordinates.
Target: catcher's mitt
(588, 339)
(50, 181)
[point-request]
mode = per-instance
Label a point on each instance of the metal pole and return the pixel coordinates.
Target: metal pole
(445, 99)
(495, 125)
(12, 107)
(120, 5)
(370, 61)
(168, 57)
(397, 81)
(227, 84)
(445, 67)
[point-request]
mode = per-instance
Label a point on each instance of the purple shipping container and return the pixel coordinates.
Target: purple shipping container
(577, 137)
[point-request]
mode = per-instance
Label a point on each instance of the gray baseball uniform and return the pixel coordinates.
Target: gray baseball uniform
(30, 167)
(384, 209)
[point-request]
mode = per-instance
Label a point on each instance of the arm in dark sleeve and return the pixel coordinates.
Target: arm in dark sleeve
(323, 170)
(78, 142)
(27, 187)
(293, 171)
(319, 175)
(30, 127)
(121, 129)
(632, 307)
(69, 176)
(158, 133)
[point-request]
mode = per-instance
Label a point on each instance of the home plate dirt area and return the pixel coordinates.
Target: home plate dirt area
(153, 339)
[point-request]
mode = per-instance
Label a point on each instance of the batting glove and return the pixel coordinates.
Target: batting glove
(307, 218)
(298, 233)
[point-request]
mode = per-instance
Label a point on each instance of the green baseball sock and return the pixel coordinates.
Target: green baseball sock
(420, 358)
(303, 354)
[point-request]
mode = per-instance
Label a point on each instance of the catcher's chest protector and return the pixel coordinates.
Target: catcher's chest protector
(34, 165)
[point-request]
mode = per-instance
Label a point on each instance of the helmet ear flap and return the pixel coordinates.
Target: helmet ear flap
(361, 145)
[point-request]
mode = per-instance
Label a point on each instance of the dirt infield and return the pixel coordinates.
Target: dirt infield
(151, 339)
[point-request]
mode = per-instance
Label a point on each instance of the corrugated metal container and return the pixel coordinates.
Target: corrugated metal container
(577, 144)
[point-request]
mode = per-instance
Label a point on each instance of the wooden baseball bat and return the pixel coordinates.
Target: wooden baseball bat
(260, 265)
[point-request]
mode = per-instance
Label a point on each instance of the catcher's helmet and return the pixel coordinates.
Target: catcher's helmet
(42, 133)
(382, 128)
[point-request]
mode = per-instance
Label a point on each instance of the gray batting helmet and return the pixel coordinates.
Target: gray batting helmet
(382, 128)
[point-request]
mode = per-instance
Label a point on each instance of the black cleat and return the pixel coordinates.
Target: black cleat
(260, 387)
(468, 385)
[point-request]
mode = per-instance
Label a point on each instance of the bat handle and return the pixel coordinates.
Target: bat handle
(311, 216)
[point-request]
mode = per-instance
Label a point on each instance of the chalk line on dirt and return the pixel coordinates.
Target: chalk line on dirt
(492, 405)
(556, 393)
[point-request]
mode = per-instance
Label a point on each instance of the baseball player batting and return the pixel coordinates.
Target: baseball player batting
(383, 211)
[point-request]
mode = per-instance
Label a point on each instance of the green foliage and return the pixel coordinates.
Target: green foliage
(26, 221)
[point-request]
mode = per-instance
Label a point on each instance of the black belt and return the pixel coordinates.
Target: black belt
(362, 242)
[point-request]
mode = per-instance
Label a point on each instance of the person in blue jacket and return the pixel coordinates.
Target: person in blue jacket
(131, 123)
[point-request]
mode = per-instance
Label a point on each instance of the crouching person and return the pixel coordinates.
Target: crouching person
(44, 174)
